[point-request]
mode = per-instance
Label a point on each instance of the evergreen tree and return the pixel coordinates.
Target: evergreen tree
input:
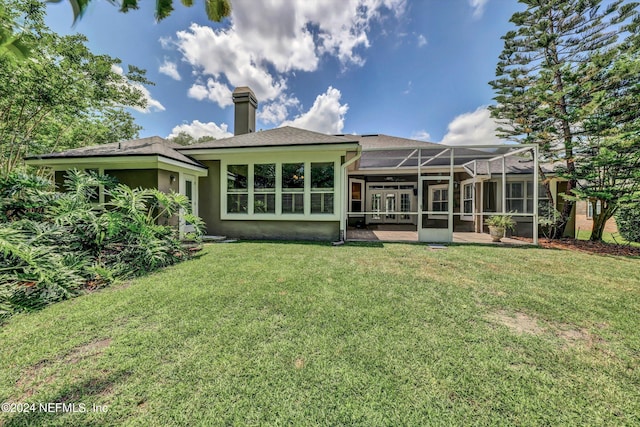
(543, 92)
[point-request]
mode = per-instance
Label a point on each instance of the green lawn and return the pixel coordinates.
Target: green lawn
(305, 334)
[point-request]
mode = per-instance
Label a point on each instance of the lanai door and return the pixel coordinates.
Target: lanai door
(390, 204)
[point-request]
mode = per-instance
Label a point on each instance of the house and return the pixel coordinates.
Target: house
(290, 183)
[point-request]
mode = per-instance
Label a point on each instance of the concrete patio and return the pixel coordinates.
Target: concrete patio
(408, 233)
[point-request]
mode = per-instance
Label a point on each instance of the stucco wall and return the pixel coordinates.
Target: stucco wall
(209, 210)
(278, 230)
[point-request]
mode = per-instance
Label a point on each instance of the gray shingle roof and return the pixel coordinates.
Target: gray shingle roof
(284, 136)
(150, 146)
(387, 141)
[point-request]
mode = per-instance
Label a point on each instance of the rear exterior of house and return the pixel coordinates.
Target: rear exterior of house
(295, 184)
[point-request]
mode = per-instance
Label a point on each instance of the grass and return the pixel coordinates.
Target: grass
(306, 334)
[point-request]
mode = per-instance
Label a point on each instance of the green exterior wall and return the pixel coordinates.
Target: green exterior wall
(209, 211)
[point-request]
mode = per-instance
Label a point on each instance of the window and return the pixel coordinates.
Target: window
(490, 196)
(322, 188)
(237, 188)
(467, 202)
(590, 209)
(356, 195)
(293, 188)
(264, 187)
(439, 199)
(515, 197)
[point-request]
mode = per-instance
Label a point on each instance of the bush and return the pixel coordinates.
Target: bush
(53, 246)
(628, 221)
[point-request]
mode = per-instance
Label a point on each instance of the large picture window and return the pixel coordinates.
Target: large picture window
(264, 187)
(322, 188)
(271, 190)
(237, 188)
(293, 188)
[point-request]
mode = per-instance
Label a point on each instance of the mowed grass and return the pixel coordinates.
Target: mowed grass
(310, 334)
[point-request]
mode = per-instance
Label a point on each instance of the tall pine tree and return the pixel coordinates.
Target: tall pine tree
(544, 94)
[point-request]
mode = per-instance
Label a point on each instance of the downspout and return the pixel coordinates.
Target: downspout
(345, 199)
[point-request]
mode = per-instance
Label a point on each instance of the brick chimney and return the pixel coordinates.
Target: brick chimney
(246, 104)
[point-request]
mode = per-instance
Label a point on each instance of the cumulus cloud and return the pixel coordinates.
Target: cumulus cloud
(478, 7)
(278, 110)
(170, 69)
(422, 40)
(326, 115)
(475, 128)
(197, 129)
(213, 91)
(421, 135)
(266, 40)
(152, 104)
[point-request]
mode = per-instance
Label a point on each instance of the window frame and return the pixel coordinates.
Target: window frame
(306, 192)
(464, 216)
(432, 189)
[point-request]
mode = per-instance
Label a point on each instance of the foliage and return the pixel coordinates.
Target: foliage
(12, 45)
(55, 245)
(62, 96)
(216, 10)
(628, 221)
(557, 72)
(183, 138)
(501, 221)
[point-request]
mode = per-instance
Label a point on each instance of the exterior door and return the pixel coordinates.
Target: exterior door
(191, 191)
(387, 206)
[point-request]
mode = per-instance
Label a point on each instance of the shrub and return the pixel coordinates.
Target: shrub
(55, 245)
(628, 221)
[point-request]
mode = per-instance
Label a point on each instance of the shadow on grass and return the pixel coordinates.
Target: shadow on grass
(72, 396)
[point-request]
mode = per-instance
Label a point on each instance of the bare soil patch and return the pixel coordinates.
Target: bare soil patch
(520, 324)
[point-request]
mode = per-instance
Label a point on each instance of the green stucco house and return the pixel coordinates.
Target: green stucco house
(290, 183)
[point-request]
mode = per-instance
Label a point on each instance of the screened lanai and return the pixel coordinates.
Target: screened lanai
(435, 193)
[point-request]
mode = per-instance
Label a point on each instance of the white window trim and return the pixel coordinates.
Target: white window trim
(278, 215)
(432, 189)
(463, 214)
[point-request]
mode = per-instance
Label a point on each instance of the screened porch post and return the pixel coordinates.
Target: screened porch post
(450, 199)
(535, 194)
(504, 185)
(419, 191)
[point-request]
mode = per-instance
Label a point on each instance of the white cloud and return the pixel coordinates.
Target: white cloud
(197, 129)
(170, 69)
(478, 7)
(152, 104)
(475, 128)
(421, 135)
(325, 115)
(422, 40)
(213, 91)
(269, 39)
(278, 110)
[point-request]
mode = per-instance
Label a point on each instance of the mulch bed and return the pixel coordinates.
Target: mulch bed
(599, 248)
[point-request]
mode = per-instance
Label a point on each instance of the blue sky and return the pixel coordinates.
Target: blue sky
(409, 68)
